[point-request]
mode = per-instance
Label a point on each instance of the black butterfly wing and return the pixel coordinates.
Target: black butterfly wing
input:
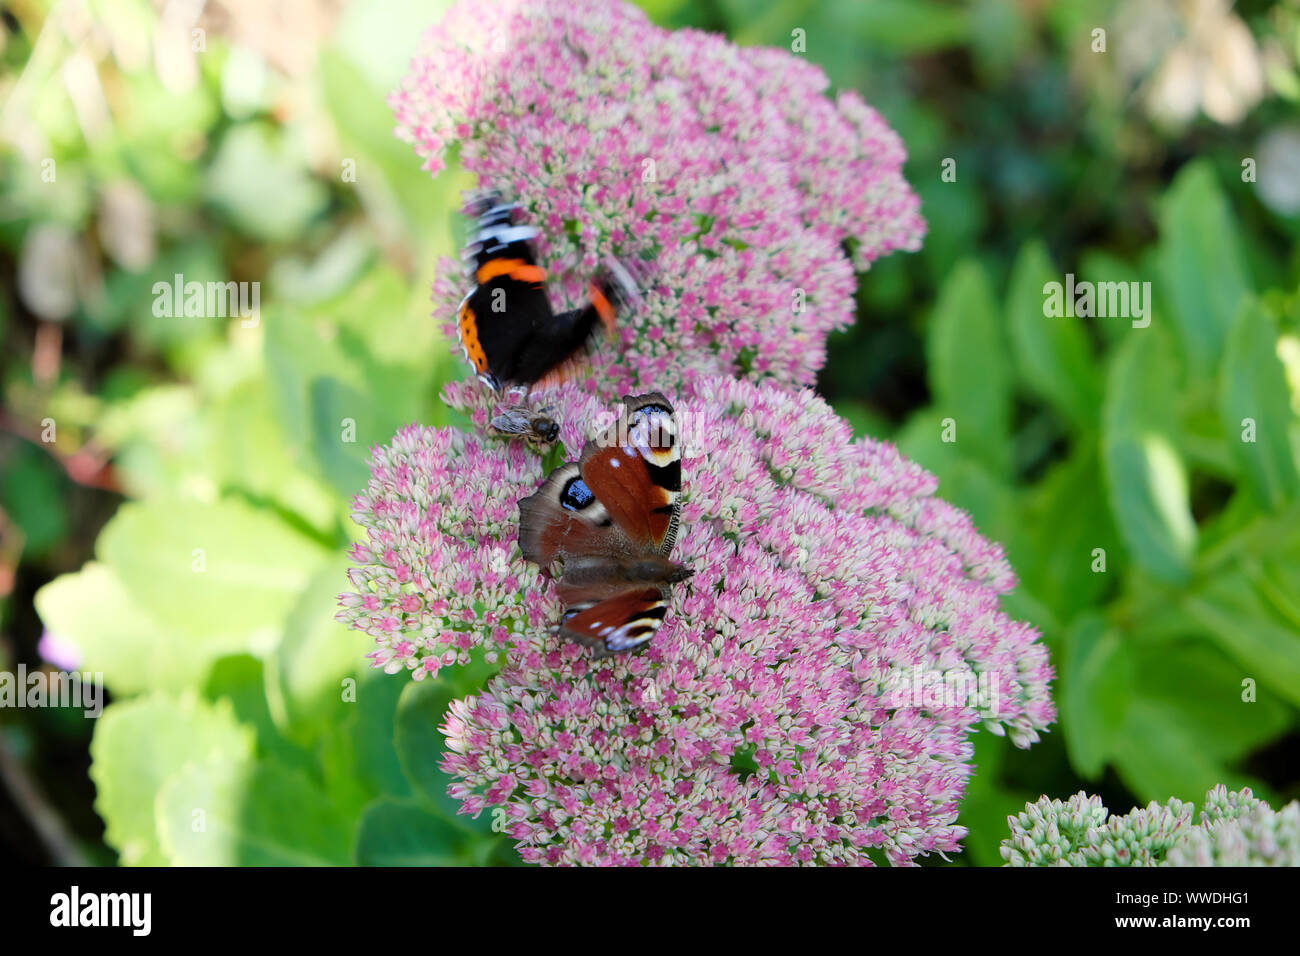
(499, 319)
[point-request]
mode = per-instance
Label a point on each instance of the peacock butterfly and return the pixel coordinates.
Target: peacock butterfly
(611, 519)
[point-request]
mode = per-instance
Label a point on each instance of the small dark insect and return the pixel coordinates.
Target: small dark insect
(536, 427)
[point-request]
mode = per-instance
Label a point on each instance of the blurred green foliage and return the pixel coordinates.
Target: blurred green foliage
(199, 570)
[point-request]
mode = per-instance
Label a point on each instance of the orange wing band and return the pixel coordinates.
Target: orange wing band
(514, 268)
(603, 308)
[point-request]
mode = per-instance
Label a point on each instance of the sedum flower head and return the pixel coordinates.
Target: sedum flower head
(1052, 833)
(440, 572)
(728, 168)
(1080, 832)
(773, 718)
(1235, 829)
(1239, 830)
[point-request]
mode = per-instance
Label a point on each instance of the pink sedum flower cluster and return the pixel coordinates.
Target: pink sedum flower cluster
(441, 572)
(725, 170)
(770, 719)
(811, 694)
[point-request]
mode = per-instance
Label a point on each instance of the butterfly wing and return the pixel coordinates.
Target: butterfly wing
(499, 318)
(621, 622)
(563, 517)
(508, 302)
(611, 604)
(558, 349)
(634, 469)
(507, 328)
(612, 517)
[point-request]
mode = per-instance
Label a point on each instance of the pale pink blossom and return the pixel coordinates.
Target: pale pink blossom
(726, 170)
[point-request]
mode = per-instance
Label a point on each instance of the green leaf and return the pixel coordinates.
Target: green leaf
(842, 38)
(1148, 493)
(32, 490)
(1098, 266)
(381, 37)
(116, 636)
(1052, 353)
(967, 483)
(960, 206)
(240, 680)
(1067, 518)
(1141, 384)
(223, 575)
(396, 833)
(137, 746)
(262, 184)
(1097, 683)
(391, 183)
(131, 426)
(333, 395)
(420, 744)
(968, 370)
(157, 119)
(420, 712)
(315, 276)
(1203, 277)
(1204, 442)
(306, 675)
(1188, 725)
(358, 755)
(866, 421)
(231, 812)
(1204, 688)
(247, 449)
(907, 27)
(988, 801)
(1158, 758)
(344, 425)
(1242, 621)
(1145, 476)
(1002, 33)
(1255, 403)
(384, 325)
(130, 298)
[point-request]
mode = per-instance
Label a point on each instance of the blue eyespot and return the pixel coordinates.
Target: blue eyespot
(576, 495)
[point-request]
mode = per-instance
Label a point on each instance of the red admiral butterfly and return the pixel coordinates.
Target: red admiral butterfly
(611, 517)
(508, 331)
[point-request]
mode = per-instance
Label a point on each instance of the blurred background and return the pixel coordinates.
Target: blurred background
(250, 141)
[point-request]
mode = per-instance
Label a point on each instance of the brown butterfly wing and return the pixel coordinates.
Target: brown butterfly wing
(635, 471)
(612, 517)
(564, 517)
(623, 622)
